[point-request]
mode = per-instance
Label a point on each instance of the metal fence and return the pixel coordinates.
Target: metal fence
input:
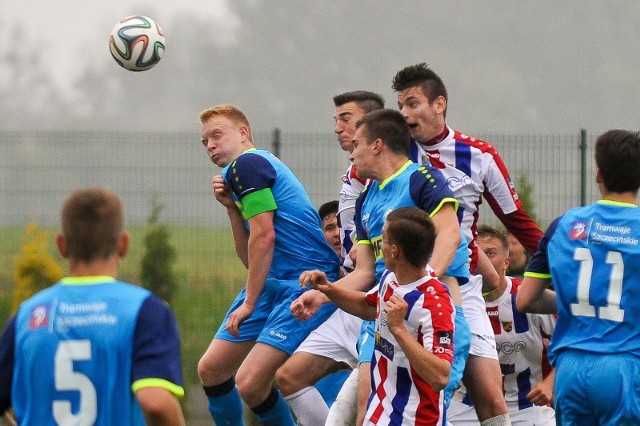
(39, 169)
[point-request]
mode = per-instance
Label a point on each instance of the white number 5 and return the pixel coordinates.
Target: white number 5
(68, 380)
(614, 295)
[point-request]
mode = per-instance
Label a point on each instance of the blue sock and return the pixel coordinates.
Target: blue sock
(274, 411)
(225, 404)
(330, 385)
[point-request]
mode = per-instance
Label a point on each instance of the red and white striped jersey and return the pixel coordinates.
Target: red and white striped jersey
(474, 170)
(352, 186)
(519, 339)
(399, 395)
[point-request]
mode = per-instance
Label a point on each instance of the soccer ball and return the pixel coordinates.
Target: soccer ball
(137, 43)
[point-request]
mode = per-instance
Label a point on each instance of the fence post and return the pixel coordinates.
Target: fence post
(583, 167)
(275, 142)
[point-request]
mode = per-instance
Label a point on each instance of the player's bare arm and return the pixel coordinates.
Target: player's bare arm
(542, 393)
(432, 369)
(222, 193)
(362, 278)
(534, 296)
(260, 253)
(160, 407)
(351, 301)
(448, 238)
(490, 278)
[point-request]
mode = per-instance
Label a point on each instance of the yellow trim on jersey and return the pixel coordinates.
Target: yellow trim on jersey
(400, 170)
(258, 202)
(158, 383)
(537, 275)
(442, 203)
(364, 242)
(92, 279)
(616, 203)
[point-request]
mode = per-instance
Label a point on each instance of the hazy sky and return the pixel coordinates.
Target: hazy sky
(510, 67)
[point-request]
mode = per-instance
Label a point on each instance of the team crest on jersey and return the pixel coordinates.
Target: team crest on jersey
(39, 317)
(578, 230)
(507, 326)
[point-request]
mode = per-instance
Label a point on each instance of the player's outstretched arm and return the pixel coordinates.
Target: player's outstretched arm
(432, 369)
(351, 301)
(542, 393)
(160, 407)
(535, 297)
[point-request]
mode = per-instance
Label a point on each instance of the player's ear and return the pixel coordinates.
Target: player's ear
(598, 176)
(123, 244)
(441, 104)
(244, 132)
(62, 245)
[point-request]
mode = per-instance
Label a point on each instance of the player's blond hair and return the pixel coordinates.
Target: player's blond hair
(229, 111)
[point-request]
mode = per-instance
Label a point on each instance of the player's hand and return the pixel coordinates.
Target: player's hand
(396, 309)
(317, 279)
(237, 317)
(541, 394)
(308, 304)
(222, 191)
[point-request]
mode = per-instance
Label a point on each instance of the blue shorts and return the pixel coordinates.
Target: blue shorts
(461, 346)
(272, 322)
(597, 389)
(366, 342)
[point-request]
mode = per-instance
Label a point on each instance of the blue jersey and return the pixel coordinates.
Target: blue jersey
(414, 185)
(81, 348)
(592, 255)
(261, 183)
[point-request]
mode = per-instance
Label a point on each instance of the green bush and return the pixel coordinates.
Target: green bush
(525, 193)
(35, 268)
(157, 264)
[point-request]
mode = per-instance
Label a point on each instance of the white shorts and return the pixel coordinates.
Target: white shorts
(461, 414)
(483, 341)
(336, 338)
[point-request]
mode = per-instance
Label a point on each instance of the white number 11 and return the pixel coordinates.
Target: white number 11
(612, 311)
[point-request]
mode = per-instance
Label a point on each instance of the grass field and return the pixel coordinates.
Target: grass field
(209, 272)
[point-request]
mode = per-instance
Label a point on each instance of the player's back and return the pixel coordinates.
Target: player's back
(594, 256)
(74, 344)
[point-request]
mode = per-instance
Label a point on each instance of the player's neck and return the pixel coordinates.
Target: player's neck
(407, 274)
(621, 197)
(390, 166)
(108, 267)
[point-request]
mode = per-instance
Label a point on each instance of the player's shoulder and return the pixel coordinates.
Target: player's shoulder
(476, 143)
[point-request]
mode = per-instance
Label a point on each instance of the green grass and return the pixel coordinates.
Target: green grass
(210, 276)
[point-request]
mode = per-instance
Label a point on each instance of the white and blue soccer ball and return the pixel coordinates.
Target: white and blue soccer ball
(137, 43)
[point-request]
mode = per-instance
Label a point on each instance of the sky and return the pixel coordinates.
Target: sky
(532, 67)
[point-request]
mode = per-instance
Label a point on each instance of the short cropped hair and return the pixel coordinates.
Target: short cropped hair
(229, 111)
(388, 125)
(422, 76)
(368, 101)
(92, 222)
(487, 231)
(413, 230)
(330, 207)
(617, 155)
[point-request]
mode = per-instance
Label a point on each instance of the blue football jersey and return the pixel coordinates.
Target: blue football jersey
(414, 185)
(300, 243)
(83, 346)
(592, 255)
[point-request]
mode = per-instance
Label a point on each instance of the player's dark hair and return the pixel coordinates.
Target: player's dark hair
(617, 155)
(413, 230)
(388, 125)
(92, 222)
(330, 207)
(487, 231)
(422, 76)
(368, 101)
